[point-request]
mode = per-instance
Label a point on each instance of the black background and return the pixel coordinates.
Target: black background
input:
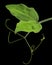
(16, 53)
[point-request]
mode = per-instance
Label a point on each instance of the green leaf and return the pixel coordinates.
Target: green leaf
(30, 26)
(22, 12)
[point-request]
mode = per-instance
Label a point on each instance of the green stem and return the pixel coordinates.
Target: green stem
(11, 29)
(40, 43)
(26, 35)
(48, 19)
(14, 40)
(31, 54)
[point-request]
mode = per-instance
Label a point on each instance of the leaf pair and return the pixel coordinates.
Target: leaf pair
(28, 18)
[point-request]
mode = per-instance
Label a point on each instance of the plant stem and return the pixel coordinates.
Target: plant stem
(11, 29)
(48, 19)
